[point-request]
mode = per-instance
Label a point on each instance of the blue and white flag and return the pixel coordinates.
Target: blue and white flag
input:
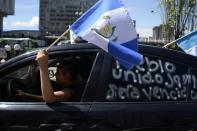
(188, 43)
(108, 25)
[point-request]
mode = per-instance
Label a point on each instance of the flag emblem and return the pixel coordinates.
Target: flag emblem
(104, 28)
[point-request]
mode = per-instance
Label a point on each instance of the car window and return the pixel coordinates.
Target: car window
(155, 79)
(27, 77)
(19, 73)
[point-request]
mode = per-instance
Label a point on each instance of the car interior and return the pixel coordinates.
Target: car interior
(27, 78)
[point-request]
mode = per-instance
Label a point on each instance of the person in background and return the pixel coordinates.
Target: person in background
(8, 50)
(3, 55)
(2, 60)
(66, 76)
(17, 49)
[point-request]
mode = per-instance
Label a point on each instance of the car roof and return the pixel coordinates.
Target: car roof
(80, 46)
(170, 54)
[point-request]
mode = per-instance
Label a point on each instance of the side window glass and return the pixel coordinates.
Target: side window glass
(155, 79)
(22, 78)
(19, 73)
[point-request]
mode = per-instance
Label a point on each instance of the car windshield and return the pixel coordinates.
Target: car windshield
(20, 73)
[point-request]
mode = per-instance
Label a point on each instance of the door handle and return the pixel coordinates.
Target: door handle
(67, 126)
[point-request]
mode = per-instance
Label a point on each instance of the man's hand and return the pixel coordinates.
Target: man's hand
(28, 96)
(42, 58)
(20, 93)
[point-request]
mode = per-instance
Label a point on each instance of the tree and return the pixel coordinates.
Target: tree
(179, 17)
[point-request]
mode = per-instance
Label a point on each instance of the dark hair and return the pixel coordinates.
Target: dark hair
(85, 67)
(69, 66)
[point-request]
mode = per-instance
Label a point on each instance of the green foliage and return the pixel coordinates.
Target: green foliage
(34, 44)
(106, 17)
(179, 16)
(192, 3)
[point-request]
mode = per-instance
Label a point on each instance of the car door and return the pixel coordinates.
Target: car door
(151, 96)
(42, 116)
(20, 114)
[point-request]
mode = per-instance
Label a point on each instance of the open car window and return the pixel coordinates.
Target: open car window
(27, 77)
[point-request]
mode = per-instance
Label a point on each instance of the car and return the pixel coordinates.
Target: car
(158, 94)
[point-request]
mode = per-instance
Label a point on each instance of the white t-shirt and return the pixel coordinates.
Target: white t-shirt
(17, 47)
(7, 47)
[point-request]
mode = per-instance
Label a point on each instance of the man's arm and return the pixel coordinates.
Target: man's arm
(48, 93)
(60, 95)
(46, 87)
(34, 97)
(28, 95)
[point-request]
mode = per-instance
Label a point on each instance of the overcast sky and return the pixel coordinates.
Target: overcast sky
(26, 15)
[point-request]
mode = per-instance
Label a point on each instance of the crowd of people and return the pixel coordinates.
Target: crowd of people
(7, 51)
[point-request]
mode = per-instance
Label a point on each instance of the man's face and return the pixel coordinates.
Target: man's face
(62, 77)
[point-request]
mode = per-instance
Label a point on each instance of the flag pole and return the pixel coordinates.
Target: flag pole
(168, 44)
(57, 39)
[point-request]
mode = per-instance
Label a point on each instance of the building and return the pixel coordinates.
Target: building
(6, 8)
(57, 15)
(159, 33)
(22, 33)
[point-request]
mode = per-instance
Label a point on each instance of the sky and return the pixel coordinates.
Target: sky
(145, 12)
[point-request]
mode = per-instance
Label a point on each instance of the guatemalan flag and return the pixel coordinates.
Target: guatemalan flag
(108, 25)
(188, 43)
